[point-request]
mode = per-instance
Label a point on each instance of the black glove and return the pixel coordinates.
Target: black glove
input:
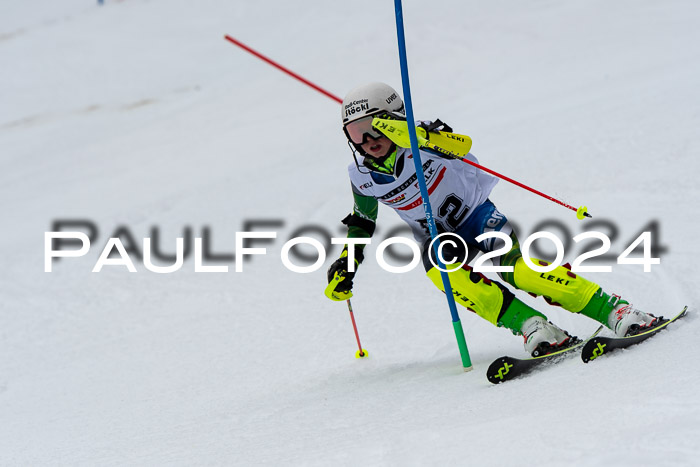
(434, 127)
(340, 266)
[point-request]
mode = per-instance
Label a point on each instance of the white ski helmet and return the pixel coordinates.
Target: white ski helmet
(370, 99)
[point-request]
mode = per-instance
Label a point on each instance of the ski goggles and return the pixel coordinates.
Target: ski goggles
(359, 131)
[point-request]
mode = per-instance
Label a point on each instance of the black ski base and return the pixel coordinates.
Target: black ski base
(507, 368)
(598, 346)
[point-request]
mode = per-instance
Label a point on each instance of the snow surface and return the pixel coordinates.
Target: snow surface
(139, 114)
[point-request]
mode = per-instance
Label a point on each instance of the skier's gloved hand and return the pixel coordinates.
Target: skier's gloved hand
(340, 266)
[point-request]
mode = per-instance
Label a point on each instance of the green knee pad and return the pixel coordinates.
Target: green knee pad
(560, 286)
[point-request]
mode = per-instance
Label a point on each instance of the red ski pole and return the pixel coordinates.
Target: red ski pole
(280, 67)
(361, 353)
(580, 212)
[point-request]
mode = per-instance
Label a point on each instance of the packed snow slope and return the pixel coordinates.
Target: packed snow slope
(139, 118)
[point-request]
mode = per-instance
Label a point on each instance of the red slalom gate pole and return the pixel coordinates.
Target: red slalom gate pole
(362, 352)
(280, 67)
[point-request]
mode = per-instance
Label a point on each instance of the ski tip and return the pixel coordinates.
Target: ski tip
(499, 370)
(598, 346)
(592, 350)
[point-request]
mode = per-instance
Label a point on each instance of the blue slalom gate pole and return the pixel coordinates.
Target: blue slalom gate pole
(456, 323)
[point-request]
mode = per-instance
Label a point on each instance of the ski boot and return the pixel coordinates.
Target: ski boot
(628, 321)
(542, 337)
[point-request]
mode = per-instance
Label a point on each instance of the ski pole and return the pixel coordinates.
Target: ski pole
(453, 146)
(361, 353)
(580, 212)
(280, 67)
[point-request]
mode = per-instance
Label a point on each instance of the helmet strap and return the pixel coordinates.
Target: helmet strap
(375, 165)
(354, 156)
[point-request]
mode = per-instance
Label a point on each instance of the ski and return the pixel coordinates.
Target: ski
(506, 368)
(598, 346)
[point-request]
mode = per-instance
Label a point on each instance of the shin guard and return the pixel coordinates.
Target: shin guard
(559, 286)
(474, 291)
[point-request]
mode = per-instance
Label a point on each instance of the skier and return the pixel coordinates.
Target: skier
(385, 173)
